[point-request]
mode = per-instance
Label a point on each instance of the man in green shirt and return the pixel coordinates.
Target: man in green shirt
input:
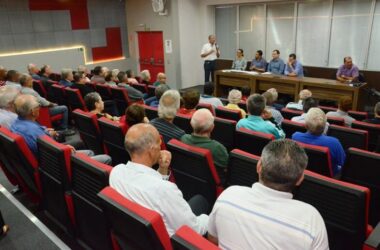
(161, 79)
(202, 122)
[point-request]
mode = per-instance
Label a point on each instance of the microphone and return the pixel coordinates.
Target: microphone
(216, 46)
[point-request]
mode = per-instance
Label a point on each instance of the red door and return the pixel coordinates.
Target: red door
(151, 51)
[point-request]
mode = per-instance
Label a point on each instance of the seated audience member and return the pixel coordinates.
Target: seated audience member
(376, 119)
(158, 92)
(274, 92)
(167, 110)
(99, 74)
(202, 123)
(111, 77)
(45, 73)
(255, 122)
(3, 75)
(245, 93)
(13, 78)
(315, 122)
(240, 63)
(82, 68)
(27, 109)
(276, 65)
(145, 77)
(26, 81)
(191, 100)
(265, 216)
(305, 93)
(348, 71)
(33, 71)
(80, 83)
(7, 109)
(133, 94)
(95, 105)
(309, 103)
(293, 67)
(277, 116)
(140, 183)
(161, 79)
(345, 104)
(67, 77)
(234, 97)
(259, 64)
(207, 97)
(135, 114)
(131, 76)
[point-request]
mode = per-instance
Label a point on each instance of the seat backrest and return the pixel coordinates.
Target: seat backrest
(139, 86)
(87, 124)
(55, 174)
(206, 106)
(252, 141)
(363, 168)
(133, 226)
(373, 133)
(290, 113)
(39, 87)
(22, 159)
(89, 177)
(243, 106)
(349, 137)
(183, 122)
(335, 120)
(194, 171)
(8, 169)
(343, 206)
(151, 90)
(224, 132)
(91, 85)
(358, 115)
(226, 113)
(327, 108)
(242, 168)
(57, 94)
(75, 99)
(104, 91)
(113, 134)
(291, 127)
(120, 96)
(319, 159)
(187, 239)
(150, 112)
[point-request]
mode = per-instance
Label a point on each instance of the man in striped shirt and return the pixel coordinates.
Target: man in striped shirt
(265, 216)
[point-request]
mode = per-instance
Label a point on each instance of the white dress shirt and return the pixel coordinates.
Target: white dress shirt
(207, 48)
(295, 105)
(7, 118)
(264, 218)
(146, 187)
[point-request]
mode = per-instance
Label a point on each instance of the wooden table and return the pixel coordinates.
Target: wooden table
(325, 89)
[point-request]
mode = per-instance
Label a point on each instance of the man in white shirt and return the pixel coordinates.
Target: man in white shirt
(7, 109)
(138, 182)
(210, 52)
(265, 216)
(208, 98)
(305, 93)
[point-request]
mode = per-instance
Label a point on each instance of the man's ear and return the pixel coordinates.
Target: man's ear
(300, 180)
(259, 167)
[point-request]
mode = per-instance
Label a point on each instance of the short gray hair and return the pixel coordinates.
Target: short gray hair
(169, 104)
(145, 74)
(234, 96)
(305, 93)
(24, 105)
(7, 96)
(283, 163)
(315, 121)
(142, 143)
(24, 78)
(202, 121)
(65, 73)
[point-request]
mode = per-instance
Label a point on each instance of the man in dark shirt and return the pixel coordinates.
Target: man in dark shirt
(167, 110)
(66, 77)
(376, 119)
(80, 83)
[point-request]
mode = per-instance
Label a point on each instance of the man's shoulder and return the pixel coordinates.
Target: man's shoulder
(234, 193)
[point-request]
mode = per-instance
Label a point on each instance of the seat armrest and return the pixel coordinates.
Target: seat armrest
(373, 241)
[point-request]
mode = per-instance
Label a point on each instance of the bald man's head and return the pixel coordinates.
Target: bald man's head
(305, 93)
(26, 105)
(140, 138)
(202, 121)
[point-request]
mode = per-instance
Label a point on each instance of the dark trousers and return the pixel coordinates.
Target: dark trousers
(209, 67)
(199, 205)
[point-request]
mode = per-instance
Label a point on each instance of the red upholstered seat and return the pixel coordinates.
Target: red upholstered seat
(319, 159)
(55, 174)
(349, 137)
(336, 120)
(358, 115)
(89, 177)
(183, 122)
(46, 119)
(140, 86)
(133, 226)
(104, 91)
(242, 169)
(187, 239)
(194, 171)
(227, 113)
(373, 133)
(252, 141)
(39, 88)
(120, 97)
(290, 127)
(206, 106)
(224, 132)
(290, 113)
(151, 90)
(75, 99)
(151, 112)
(57, 94)
(327, 108)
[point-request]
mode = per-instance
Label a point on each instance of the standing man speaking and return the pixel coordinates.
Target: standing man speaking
(210, 52)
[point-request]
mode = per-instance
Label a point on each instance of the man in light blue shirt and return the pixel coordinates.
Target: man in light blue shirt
(293, 67)
(258, 63)
(255, 122)
(276, 65)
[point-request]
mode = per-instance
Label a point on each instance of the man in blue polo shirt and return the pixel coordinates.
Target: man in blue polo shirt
(293, 67)
(276, 65)
(315, 122)
(254, 121)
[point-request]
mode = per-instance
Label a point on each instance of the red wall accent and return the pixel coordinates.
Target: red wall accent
(77, 8)
(113, 49)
